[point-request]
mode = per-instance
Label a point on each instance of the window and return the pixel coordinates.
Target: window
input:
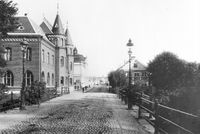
(48, 79)
(135, 65)
(66, 63)
(28, 78)
(71, 81)
(52, 79)
(62, 80)
(66, 51)
(43, 77)
(48, 58)
(62, 61)
(137, 74)
(53, 61)
(71, 66)
(62, 42)
(20, 28)
(8, 54)
(43, 55)
(28, 54)
(8, 78)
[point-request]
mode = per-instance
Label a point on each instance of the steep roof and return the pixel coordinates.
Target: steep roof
(135, 66)
(138, 66)
(46, 26)
(28, 26)
(68, 37)
(57, 26)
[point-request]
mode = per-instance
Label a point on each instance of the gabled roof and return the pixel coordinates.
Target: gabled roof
(57, 26)
(138, 66)
(68, 37)
(46, 26)
(28, 26)
(135, 66)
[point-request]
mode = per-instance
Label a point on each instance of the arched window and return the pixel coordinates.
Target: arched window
(28, 54)
(43, 77)
(62, 80)
(48, 58)
(28, 78)
(8, 78)
(53, 60)
(8, 54)
(48, 79)
(62, 61)
(62, 42)
(67, 51)
(43, 55)
(66, 63)
(52, 79)
(71, 66)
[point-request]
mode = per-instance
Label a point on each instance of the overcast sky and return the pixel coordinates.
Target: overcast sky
(100, 29)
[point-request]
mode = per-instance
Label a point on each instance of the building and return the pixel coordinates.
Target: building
(49, 56)
(139, 74)
(80, 70)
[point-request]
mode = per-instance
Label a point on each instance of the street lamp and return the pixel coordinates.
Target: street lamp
(129, 45)
(24, 44)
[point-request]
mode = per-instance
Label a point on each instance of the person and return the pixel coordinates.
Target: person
(83, 88)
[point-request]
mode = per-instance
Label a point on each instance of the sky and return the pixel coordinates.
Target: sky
(100, 29)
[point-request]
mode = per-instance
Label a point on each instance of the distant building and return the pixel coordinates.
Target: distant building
(49, 56)
(80, 70)
(139, 74)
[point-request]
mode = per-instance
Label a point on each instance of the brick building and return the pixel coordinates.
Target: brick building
(49, 56)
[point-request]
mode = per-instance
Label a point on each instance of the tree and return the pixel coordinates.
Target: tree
(166, 70)
(8, 23)
(117, 78)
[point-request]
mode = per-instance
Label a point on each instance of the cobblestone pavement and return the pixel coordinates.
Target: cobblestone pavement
(78, 113)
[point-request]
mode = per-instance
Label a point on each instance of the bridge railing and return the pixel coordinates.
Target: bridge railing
(158, 115)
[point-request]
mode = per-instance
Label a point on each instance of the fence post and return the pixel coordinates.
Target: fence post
(12, 105)
(156, 110)
(139, 97)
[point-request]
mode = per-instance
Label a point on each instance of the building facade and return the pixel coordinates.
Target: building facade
(139, 74)
(80, 71)
(49, 55)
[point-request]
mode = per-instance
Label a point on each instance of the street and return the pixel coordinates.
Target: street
(77, 113)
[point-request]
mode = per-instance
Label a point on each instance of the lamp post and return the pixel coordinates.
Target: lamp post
(24, 45)
(129, 45)
(68, 81)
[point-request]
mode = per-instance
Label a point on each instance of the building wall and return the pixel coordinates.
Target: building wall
(15, 65)
(47, 65)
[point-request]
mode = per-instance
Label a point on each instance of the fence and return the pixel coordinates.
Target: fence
(158, 115)
(10, 103)
(32, 96)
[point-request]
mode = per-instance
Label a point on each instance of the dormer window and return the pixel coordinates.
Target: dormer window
(20, 28)
(135, 65)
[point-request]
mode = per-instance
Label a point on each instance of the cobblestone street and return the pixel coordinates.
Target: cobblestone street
(76, 113)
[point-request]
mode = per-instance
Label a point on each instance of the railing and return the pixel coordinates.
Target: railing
(157, 115)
